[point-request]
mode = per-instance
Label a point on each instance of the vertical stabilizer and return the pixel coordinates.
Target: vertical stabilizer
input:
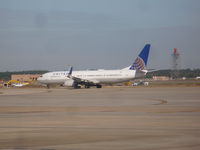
(140, 62)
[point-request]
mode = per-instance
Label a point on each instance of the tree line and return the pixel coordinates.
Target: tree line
(188, 73)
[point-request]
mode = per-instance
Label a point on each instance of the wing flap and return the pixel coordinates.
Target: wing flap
(80, 80)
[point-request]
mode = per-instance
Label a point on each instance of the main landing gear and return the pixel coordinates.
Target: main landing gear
(76, 86)
(97, 86)
(87, 86)
(48, 86)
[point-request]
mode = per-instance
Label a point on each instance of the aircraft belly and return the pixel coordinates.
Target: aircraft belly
(114, 80)
(55, 81)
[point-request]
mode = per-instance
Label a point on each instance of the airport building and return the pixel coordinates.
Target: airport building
(161, 78)
(1, 83)
(25, 77)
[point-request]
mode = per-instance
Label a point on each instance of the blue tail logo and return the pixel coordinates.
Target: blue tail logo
(141, 61)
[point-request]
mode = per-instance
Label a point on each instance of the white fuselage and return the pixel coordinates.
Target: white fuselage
(95, 76)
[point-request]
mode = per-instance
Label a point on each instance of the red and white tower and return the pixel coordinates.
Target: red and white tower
(175, 63)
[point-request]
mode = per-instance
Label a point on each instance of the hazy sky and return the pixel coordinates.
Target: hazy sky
(109, 34)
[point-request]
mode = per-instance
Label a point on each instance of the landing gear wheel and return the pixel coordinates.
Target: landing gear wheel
(76, 86)
(48, 86)
(99, 86)
(87, 86)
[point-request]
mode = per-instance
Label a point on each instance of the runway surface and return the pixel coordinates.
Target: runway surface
(100, 119)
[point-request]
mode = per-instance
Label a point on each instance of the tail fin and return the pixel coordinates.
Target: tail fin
(141, 61)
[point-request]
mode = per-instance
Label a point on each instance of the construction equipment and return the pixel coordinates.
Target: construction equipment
(15, 83)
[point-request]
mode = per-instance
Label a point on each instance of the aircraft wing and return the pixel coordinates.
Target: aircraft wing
(81, 80)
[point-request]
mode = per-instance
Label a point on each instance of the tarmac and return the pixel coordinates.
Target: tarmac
(120, 118)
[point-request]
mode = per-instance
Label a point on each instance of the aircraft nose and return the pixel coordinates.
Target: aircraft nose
(39, 79)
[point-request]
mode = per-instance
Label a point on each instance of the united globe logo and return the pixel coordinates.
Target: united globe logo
(138, 64)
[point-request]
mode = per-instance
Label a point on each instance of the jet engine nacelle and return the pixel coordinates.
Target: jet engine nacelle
(69, 82)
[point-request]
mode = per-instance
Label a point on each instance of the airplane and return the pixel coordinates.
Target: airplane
(96, 78)
(19, 84)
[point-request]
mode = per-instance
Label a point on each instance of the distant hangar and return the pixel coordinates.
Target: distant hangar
(25, 77)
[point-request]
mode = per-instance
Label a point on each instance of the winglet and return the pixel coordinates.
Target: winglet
(70, 71)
